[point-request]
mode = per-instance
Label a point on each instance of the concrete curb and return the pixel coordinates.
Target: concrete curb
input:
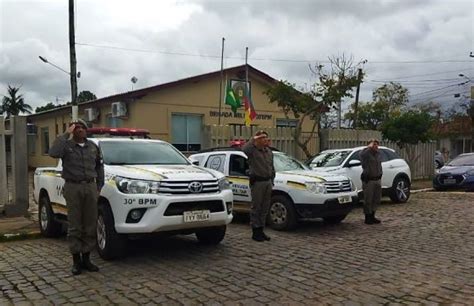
(421, 190)
(19, 235)
(18, 228)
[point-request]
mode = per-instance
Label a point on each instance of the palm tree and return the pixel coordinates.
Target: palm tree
(14, 104)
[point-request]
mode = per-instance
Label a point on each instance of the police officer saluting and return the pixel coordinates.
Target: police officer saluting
(83, 172)
(262, 173)
(371, 180)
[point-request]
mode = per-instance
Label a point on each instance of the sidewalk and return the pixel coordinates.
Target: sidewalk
(16, 228)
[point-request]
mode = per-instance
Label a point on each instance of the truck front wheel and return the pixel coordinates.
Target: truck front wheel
(110, 244)
(282, 213)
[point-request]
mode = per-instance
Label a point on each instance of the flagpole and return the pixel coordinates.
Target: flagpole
(222, 77)
(246, 69)
(247, 93)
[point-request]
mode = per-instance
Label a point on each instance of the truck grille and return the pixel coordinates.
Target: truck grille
(177, 208)
(336, 187)
(189, 187)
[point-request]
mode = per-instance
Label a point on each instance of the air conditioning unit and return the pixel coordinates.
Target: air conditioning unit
(119, 109)
(91, 114)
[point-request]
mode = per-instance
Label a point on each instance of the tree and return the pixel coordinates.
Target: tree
(370, 115)
(85, 96)
(46, 107)
(14, 104)
(388, 101)
(333, 84)
(407, 130)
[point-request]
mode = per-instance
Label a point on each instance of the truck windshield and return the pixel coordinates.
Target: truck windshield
(283, 162)
(329, 159)
(141, 153)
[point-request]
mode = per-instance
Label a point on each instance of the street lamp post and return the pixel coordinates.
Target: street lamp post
(73, 92)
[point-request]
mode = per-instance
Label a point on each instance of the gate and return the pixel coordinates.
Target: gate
(16, 202)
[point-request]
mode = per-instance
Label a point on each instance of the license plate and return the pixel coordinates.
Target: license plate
(449, 181)
(197, 215)
(344, 199)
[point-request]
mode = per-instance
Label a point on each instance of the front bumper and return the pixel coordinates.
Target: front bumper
(461, 182)
(330, 207)
(165, 213)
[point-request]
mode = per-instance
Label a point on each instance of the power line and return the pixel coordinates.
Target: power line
(418, 81)
(445, 93)
(429, 74)
(425, 92)
(266, 59)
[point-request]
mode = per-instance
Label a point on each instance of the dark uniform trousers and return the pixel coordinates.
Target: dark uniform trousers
(81, 201)
(372, 195)
(261, 196)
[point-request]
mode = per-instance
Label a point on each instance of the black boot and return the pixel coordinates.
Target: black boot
(375, 220)
(368, 219)
(87, 264)
(257, 234)
(265, 235)
(76, 266)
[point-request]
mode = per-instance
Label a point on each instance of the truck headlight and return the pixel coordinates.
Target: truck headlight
(223, 184)
(126, 185)
(315, 187)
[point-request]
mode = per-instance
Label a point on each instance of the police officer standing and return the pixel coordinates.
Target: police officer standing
(262, 173)
(371, 180)
(83, 172)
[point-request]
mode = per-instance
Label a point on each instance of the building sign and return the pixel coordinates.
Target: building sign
(239, 115)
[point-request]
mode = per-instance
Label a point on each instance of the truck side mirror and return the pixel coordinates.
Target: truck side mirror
(354, 163)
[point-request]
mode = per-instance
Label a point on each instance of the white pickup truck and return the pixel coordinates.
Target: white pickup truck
(149, 187)
(298, 192)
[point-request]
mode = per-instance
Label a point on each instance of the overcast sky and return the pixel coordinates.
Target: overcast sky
(424, 44)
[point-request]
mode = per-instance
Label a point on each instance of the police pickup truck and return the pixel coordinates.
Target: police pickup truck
(298, 192)
(149, 187)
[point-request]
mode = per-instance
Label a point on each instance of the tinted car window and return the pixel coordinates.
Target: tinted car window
(216, 162)
(383, 155)
(391, 154)
(355, 156)
(238, 165)
(464, 160)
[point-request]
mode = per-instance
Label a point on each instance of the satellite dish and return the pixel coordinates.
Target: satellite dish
(134, 80)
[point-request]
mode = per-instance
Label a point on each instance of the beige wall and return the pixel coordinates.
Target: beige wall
(153, 112)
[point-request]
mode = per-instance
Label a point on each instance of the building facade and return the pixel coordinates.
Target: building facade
(175, 112)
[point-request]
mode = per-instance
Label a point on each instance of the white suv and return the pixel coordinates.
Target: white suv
(396, 179)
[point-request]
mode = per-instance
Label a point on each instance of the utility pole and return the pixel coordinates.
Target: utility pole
(222, 80)
(356, 103)
(72, 58)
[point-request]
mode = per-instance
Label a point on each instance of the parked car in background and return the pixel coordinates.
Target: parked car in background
(298, 193)
(457, 174)
(396, 179)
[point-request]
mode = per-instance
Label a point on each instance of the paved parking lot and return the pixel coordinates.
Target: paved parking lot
(422, 252)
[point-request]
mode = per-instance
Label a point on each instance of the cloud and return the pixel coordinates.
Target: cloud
(176, 38)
